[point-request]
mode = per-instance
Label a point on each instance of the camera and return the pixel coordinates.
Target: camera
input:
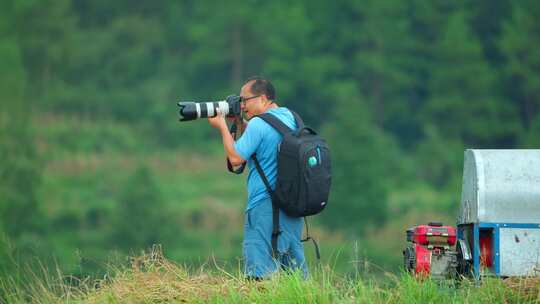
(190, 110)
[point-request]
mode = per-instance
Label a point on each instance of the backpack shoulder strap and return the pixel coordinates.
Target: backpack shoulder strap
(298, 120)
(275, 122)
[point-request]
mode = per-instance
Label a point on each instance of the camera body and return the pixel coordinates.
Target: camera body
(229, 107)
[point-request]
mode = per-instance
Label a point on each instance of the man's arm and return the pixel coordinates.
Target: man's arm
(219, 123)
(228, 145)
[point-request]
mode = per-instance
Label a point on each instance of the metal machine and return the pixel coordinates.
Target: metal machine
(431, 252)
(499, 217)
(498, 226)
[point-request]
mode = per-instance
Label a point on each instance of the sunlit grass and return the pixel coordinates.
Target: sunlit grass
(151, 278)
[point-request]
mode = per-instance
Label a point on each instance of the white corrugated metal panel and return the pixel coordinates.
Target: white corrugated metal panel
(519, 252)
(500, 186)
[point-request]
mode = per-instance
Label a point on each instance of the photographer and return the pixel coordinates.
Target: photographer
(257, 97)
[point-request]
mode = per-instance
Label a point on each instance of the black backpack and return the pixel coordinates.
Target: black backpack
(303, 173)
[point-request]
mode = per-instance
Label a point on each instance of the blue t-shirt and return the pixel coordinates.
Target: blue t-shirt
(262, 139)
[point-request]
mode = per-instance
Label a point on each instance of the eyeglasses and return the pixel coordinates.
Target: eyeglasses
(244, 99)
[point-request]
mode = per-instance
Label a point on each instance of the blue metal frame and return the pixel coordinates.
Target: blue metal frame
(476, 251)
(497, 247)
(496, 242)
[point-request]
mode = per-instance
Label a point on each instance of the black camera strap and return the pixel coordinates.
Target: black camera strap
(240, 169)
(233, 130)
(308, 237)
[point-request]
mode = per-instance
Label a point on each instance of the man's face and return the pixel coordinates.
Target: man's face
(252, 104)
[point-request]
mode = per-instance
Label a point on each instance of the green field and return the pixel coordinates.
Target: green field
(151, 278)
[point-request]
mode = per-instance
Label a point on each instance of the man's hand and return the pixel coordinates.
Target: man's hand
(218, 121)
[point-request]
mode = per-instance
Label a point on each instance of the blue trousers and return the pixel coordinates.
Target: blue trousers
(257, 245)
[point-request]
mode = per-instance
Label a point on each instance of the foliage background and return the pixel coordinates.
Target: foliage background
(94, 164)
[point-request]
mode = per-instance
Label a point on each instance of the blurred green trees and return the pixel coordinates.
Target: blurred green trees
(140, 219)
(364, 165)
(20, 172)
(519, 44)
(21, 224)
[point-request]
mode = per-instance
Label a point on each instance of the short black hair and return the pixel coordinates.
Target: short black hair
(262, 86)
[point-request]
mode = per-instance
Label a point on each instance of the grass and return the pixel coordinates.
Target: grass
(151, 278)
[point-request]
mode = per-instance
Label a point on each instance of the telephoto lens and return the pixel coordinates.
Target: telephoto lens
(190, 110)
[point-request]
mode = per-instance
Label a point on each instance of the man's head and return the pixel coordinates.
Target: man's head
(257, 95)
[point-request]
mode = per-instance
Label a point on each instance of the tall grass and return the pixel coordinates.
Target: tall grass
(152, 278)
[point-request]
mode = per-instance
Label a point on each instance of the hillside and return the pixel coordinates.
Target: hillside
(184, 200)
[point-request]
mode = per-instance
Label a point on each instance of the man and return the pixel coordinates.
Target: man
(257, 97)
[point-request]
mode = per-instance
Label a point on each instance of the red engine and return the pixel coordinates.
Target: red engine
(431, 252)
